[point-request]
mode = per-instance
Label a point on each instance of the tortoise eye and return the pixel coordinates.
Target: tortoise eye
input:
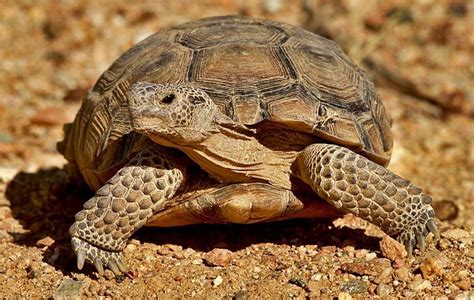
(168, 99)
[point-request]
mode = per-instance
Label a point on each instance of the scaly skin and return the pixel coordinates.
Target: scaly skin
(352, 183)
(178, 114)
(121, 206)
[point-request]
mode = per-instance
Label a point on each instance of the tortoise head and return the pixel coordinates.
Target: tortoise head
(171, 113)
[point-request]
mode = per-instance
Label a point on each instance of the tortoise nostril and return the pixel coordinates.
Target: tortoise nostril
(168, 99)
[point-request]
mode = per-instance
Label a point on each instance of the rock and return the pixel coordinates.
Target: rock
(446, 210)
(7, 174)
(241, 295)
(75, 94)
(353, 287)
(419, 284)
(392, 249)
(9, 148)
(218, 257)
(434, 266)
(383, 290)
(370, 256)
(299, 282)
(45, 242)
(217, 281)
(403, 274)
(349, 251)
(470, 252)
(444, 244)
(344, 296)
(188, 252)
(5, 236)
(317, 277)
(69, 289)
(49, 116)
(375, 20)
(459, 296)
(464, 284)
(384, 276)
(455, 234)
(371, 268)
(361, 253)
(328, 249)
(273, 6)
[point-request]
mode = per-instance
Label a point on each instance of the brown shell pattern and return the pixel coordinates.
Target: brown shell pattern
(254, 70)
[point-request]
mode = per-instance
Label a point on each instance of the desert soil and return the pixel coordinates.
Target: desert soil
(52, 52)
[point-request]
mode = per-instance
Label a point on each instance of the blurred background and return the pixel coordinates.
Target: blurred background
(420, 54)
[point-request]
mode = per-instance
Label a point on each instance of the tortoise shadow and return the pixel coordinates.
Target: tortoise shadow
(46, 201)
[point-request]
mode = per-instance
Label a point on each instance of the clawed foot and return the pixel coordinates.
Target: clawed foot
(416, 234)
(98, 257)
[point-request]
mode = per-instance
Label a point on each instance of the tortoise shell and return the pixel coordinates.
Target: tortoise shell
(254, 70)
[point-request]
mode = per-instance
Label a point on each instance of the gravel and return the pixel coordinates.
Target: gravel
(49, 62)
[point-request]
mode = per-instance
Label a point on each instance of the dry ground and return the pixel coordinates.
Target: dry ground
(51, 53)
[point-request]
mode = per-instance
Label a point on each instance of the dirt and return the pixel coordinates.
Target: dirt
(52, 53)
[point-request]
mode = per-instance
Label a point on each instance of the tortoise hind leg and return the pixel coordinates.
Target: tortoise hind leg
(123, 205)
(354, 184)
(243, 203)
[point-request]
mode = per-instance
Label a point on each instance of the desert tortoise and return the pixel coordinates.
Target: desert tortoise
(234, 120)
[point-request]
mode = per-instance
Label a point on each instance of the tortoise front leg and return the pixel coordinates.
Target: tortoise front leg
(121, 206)
(352, 183)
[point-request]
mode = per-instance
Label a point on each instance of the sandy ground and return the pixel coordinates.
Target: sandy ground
(51, 53)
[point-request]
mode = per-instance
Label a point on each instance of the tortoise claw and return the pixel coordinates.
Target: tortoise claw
(113, 267)
(416, 233)
(420, 240)
(122, 265)
(81, 258)
(98, 257)
(98, 266)
(432, 228)
(409, 247)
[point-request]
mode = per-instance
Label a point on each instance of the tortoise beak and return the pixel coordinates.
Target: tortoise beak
(147, 117)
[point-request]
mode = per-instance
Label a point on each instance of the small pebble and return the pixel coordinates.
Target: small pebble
(455, 234)
(45, 242)
(273, 6)
(384, 276)
(383, 290)
(218, 257)
(419, 284)
(69, 289)
(392, 249)
(464, 284)
(403, 274)
(316, 277)
(299, 282)
(370, 256)
(444, 244)
(344, 296)
(446, 210)
(196, 261)
(434, 266)
(353, 287)
(48, 116)
(459, 295)
(217, 281)
(241, 295)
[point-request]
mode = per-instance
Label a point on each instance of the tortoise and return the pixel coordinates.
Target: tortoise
(234, 120)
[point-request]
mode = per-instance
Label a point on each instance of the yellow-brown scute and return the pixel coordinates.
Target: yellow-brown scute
(254, 71)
